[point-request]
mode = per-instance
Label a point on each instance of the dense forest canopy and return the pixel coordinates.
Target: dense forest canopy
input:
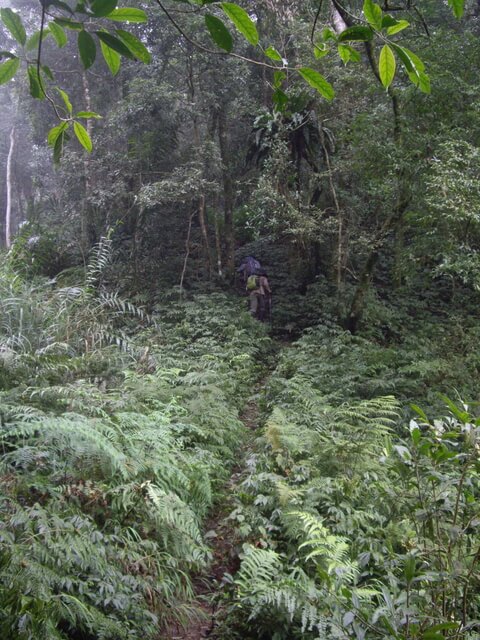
(244, 147)
(169, 466)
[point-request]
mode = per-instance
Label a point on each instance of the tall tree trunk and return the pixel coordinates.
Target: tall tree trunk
(8, 211)
(204, 229)
(227, 192)
(202, 199)
(339, 261)
(218, 246)
(187, 251)
(89, 231)
(212, 127)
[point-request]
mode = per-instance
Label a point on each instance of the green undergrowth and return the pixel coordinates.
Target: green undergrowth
(360, 513)
(430, 359)
(117, 433)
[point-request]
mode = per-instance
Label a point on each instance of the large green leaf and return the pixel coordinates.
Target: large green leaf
(318, 82)
(82, 136)
(58, 34)
(348, 53)
(458, 7)
(273, 54)
(357, 33)
(115, 44)
(386, 66)
(8, 69)
(87, 114)
(344, 53)
(242, 21)
(66, 101)
(419, 65)
(219, 32)
(388, 21)
(14, 24)
(399, 26)
(58, 145)
(87, 49)
(373, 13)
(421, 80)
(36, 90)
(320, 50)
(138, 49)
(103, 7)
(127, 14)
(328, 34)
(111, 57)
(405, 58)
(55, 132)
(414, 67)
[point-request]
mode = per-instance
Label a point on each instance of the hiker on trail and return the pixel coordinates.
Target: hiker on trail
(260, 295)
(248, 267)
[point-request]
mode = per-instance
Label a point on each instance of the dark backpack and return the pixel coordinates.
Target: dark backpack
(251, 264)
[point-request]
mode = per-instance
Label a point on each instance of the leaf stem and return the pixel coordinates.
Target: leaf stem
(39, 76)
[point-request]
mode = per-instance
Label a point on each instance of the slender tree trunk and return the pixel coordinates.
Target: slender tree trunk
(187, 250)
(218, 242)
(204, 229)
(227, 193)
(21, 200)
(338, 21)
(89, 231)
(339, 266)
(8, 211)
(212, 127)
(202, 199)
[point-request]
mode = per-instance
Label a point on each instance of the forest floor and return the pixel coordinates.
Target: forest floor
(224, 539)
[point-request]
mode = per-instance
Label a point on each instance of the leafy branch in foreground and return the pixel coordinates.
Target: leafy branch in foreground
(88, 22)
(94, 22)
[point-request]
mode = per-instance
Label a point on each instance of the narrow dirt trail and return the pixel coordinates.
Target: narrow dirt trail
(223, 537)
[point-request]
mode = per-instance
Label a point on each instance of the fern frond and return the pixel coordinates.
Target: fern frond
(258, 567)
(330, 550)
(89, 445)
(99, 259)
(176, 524)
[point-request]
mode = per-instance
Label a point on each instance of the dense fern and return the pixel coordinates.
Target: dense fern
(345, 499)
(110, 460)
